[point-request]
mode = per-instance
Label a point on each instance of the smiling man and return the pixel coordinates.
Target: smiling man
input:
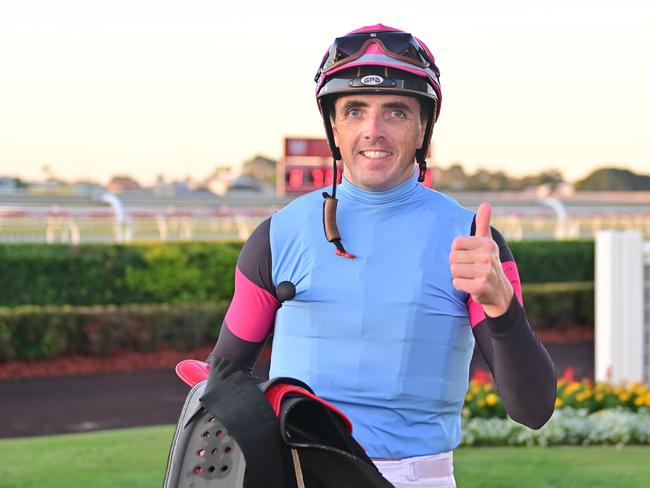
(383, 323)
(377, 136)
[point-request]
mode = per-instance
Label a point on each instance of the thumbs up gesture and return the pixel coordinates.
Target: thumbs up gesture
(476, 268)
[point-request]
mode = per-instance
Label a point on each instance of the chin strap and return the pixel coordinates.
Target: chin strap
(329, 217)
(422, 164)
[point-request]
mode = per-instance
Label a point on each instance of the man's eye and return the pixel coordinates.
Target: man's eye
(354, 112)
(398, 114)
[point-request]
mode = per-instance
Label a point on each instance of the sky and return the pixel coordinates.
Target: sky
(95, 88)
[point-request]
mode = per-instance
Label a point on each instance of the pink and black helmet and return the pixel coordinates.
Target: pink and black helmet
(375, 59)
(379, 59)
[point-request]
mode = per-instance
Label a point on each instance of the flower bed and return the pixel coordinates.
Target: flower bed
(586, 413)
(594, 397)
(483, 401)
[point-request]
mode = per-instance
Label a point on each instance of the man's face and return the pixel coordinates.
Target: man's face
(378, 136)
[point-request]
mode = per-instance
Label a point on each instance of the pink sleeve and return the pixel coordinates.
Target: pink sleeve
(476, 313)
(252, 311)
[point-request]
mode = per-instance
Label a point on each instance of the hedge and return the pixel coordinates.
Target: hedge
(198, 272)
(36, 332)
(193, 272)
(551, 305)
(554, 261)
(33, 332)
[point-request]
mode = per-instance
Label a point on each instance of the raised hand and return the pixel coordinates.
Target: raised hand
(476, 268)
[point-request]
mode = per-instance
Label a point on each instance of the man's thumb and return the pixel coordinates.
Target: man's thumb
(483, 215)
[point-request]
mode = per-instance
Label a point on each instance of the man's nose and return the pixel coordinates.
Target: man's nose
(374, 126)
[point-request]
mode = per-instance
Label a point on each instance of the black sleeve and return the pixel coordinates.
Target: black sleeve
(522, 368)
(255, 263)
(523, 371)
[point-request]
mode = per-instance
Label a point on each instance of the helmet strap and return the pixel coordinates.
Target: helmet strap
(421, 154)
(422, 164)
(336, 153)
(329, 217)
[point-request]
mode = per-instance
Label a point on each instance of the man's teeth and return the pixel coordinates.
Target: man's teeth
(375, 154)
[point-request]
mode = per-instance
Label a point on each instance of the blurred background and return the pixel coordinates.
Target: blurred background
(142, 141)
(188, 113)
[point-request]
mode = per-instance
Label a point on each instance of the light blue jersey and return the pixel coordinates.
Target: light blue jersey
(385, 337)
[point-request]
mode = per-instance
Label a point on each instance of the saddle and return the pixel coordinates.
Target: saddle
(234, 432)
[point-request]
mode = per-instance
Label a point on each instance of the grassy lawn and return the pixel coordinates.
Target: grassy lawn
(553, 467)
(135, 458)
(129, 458)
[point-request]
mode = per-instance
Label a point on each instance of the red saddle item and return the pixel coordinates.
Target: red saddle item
(193, 371)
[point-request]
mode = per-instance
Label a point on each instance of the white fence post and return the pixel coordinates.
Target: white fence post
(620, 334)
(646, 312)
(120, 217)
(560, 215)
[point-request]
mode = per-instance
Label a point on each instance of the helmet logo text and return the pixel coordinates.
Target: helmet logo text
(372, 80)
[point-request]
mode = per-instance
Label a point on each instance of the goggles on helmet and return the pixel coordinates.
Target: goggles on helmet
(398, 45)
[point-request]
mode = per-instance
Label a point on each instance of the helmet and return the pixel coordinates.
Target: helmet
(379, 59)
(370, 60)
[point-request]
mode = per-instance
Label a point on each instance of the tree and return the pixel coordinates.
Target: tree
(551, 178)
(614, 179)
(479, 181)
(260, 168)
(119, 183)
(452, 178)
(20, 183)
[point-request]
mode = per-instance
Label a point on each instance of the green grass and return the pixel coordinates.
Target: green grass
(553, 467)
(129, 458)
(136, 458)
